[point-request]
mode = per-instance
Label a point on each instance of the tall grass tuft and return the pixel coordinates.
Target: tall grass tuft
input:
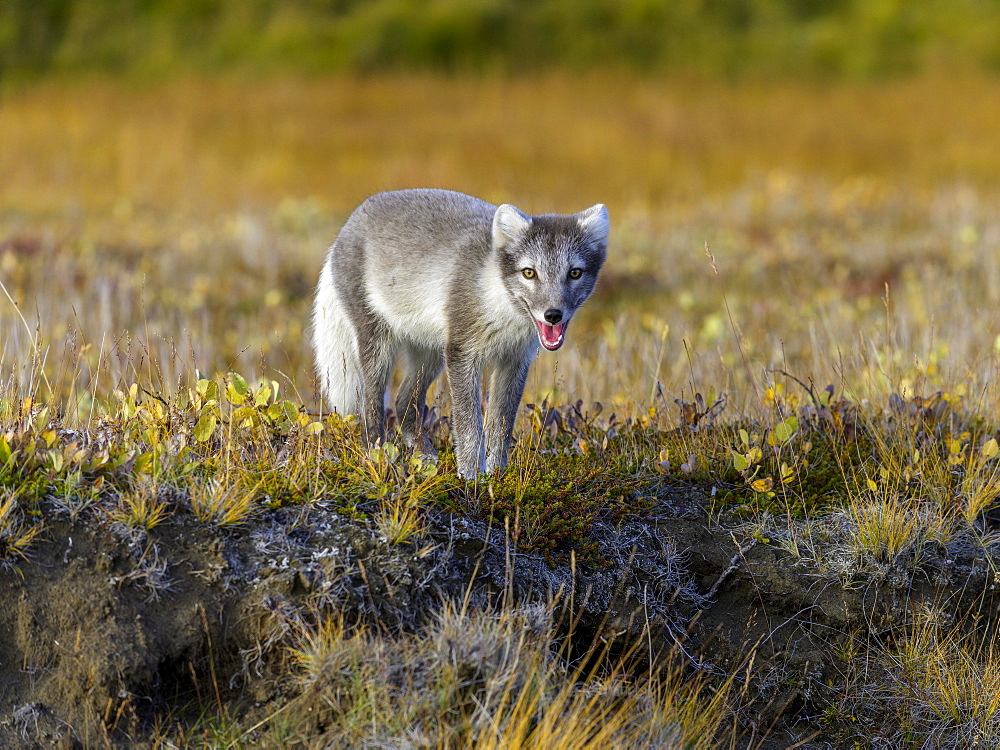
(496, 679)
(945, 686)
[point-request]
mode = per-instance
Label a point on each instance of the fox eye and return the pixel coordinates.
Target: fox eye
(575, 273)
(529, 273)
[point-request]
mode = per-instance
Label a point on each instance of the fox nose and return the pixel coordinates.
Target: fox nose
(553, 316)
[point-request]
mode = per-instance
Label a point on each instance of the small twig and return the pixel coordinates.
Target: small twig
(733, 564)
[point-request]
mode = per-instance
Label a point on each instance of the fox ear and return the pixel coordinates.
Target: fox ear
(594, 221)
(508, 225)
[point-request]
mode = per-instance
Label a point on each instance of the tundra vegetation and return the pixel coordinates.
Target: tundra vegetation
(753, 501)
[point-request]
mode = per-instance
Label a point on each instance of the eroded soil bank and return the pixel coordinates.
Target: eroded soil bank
(110, 635)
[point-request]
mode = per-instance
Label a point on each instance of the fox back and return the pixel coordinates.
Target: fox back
(450, 280)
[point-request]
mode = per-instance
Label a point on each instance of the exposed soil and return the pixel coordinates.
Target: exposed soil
(105, 631)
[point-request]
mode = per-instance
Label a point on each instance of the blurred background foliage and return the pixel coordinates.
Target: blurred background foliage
(851, 39)
(172, 171)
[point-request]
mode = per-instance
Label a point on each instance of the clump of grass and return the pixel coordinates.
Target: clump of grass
(944, 686)
(402, 486)
(494, 679)
(217, 501)
(140, 507)
(884, 528)
(16, 536)
(399, 517)
(979, 484)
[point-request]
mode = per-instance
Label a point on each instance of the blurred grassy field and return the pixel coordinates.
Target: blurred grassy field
(149, 231)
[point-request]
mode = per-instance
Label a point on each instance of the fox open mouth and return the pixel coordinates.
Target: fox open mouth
(551, 337)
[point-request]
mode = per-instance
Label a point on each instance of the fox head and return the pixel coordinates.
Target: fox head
(550, 263)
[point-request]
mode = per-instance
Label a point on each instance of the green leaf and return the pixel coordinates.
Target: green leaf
(274, 413)
(740, 462)
(238, 383)
(142, 462)
(207, 389)
(744, 438)
(783, 431)
(205, 427)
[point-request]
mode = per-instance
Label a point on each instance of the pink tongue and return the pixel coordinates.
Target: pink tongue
(550, 336)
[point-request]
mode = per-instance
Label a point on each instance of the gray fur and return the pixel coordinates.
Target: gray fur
(440, 276)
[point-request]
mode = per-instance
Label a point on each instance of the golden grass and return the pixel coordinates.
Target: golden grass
(16, 535)
(140, 509)
(220, 501)
(151, 232)
(214, 146)
(945, 686)
(494, 679)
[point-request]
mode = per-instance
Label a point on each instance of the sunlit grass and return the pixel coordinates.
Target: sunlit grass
(139, 508)
(16, 534)
(495, 679)
(140, 241)
(945, 687)
(219, 502)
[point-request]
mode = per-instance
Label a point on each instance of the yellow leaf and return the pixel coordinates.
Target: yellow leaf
(233, 396)
(263, 395)
(990, 448)
(872, 486)
(762, 485)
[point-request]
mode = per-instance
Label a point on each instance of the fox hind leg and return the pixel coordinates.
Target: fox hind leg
(378, 357)
(335, 346)
(423, 365)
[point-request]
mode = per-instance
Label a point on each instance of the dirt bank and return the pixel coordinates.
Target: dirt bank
(109, 634)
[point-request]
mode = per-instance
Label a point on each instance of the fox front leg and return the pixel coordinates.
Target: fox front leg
(465, 382)
(506, 390)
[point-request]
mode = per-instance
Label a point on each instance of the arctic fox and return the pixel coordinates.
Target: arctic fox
(455, 282)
